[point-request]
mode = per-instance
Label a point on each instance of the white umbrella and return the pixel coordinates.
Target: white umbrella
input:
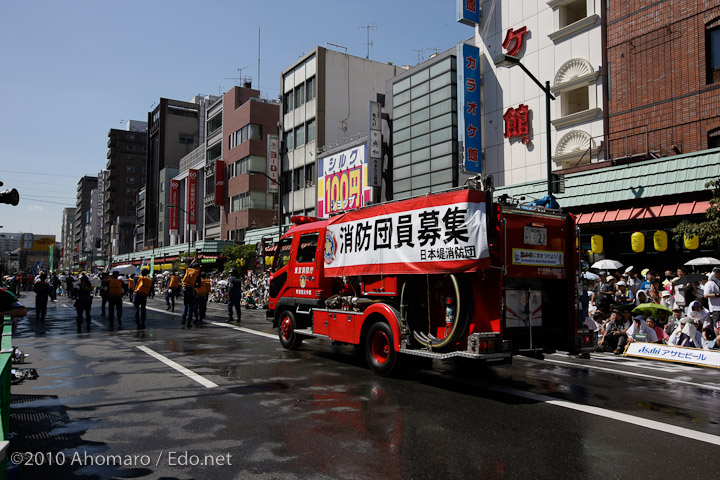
(124, 269)
(590, 276)
(607, 264)
(704, 261)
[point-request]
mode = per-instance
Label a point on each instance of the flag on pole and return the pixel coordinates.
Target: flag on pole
(138, 269)
(152, 265)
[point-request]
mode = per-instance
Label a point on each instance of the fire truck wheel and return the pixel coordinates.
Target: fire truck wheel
(379, 350)
(286, 331)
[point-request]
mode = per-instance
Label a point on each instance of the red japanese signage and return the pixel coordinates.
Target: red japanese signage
(514, 40)
(219, 183)
(192, 198)
(174, 200)
(517, 123)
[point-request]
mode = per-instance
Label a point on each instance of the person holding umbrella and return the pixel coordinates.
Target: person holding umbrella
(712, 293)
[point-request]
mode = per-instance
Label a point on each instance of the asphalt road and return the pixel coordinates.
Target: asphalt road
(226, 401)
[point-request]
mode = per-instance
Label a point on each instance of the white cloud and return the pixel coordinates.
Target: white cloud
(36, 208)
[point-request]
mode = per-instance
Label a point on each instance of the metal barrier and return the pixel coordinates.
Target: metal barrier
(5, 382)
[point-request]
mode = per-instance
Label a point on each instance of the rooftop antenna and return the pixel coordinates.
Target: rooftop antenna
(369, 44)
(258, 77)
(239, 79)
(420, 54)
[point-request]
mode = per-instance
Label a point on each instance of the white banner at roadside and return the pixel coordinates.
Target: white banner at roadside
(666, 353)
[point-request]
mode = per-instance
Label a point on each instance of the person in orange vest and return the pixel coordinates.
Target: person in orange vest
(172, 291)
(143, 285)
(189, 283)
(201, 296)
(131, 286)
(116, 289)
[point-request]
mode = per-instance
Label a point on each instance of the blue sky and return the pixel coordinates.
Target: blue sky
(73, 70)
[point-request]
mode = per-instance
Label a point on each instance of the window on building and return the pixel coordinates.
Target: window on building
(310, 88)
(129, 203)
(130, 180)
(712, 50)
(288, 101)
(230, 142)
(186, 139)
(285, 180)
(309, 175)
(310, 131)
(162, 186)
(289, 140)
(254, 131)
(299, 95)
(130, 169)
(714, 138)
(129, 191)
(131, 136)
(300, 136)
(572, 12)
(131, 147)
(575, 101)
(298, 178)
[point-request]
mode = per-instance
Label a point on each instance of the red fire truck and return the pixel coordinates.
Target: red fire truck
(445, 275)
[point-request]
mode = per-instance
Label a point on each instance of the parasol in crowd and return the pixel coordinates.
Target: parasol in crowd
(607, 264)
(693, 277)
(590, 276)
(704, 261)
(653, 308)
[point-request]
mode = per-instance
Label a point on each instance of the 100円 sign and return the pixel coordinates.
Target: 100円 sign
(667, 353)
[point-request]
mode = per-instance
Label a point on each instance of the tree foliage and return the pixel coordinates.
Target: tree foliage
(709, 230)
(238, 256)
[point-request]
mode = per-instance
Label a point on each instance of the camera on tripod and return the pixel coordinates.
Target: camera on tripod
(10, 196)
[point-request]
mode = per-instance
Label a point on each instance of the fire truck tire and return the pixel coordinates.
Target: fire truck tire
(379, 349)
(286, 331)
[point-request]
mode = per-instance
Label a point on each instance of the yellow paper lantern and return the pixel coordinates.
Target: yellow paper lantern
(692, 242)
(637, 240)
(596, 244)
(660, 241)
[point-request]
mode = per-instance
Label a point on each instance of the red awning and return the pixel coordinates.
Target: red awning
(641, 213)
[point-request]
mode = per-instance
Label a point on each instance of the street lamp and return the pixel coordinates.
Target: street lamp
(508, 61)
(280, 187)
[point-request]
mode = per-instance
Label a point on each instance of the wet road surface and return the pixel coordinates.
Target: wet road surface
(226, 401)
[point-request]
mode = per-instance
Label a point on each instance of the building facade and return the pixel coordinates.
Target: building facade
(67, 238)
(84, 197)
(664, 64)
(250, 202)
(127, 152)
(659, 77)
(423, 102)
(325, 99)
(173, 132)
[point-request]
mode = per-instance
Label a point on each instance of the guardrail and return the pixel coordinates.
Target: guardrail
(5, 382)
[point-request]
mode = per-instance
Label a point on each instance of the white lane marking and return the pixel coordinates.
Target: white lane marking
(246, 330)
(633, 374)
(96, 323)
(621, 417)
(201, 380)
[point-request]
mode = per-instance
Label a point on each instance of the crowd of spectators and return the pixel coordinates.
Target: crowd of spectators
(671, 307)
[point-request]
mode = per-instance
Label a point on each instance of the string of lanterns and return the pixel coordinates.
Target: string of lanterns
(637, 242)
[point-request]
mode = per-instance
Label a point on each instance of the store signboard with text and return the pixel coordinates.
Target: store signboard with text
(343, 181)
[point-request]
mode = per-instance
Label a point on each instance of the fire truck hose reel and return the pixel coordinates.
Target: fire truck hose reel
(462, 316)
